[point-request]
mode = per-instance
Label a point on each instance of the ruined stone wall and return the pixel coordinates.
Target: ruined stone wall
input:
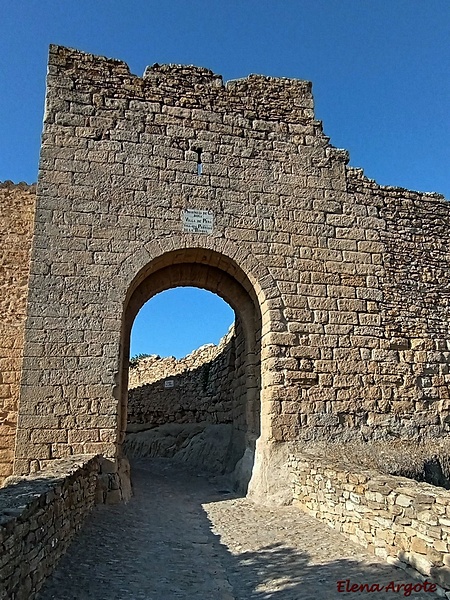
(303, 248)
(17, 204)
(209, 385)
(201, 387)
(153, 368)
(411, 397)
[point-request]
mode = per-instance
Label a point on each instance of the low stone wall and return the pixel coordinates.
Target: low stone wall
(39, 514)
(396, 518)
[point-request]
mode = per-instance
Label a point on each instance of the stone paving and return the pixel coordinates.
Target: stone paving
(184, 536)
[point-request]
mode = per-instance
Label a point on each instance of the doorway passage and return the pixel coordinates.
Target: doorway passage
(205, 408)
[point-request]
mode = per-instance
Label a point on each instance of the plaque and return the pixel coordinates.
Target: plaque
(169, 383)
(198, 221)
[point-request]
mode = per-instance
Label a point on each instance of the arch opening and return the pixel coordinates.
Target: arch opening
(177, 322)
(239, 390)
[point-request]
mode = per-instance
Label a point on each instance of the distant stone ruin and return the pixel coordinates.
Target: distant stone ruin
(197, 388)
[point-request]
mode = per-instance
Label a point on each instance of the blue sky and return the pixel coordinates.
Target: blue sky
(380, 71)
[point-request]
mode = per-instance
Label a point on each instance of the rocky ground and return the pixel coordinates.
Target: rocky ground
(203, 446)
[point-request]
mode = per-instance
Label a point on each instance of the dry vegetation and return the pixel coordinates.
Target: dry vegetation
(428, 460)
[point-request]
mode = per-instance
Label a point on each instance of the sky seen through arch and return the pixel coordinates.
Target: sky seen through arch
(177, 321)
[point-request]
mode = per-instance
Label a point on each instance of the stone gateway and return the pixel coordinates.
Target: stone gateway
(340, 286)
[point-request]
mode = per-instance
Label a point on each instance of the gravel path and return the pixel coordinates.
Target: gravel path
(183, 536)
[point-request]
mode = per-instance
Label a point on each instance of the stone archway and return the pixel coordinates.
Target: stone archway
(91, 403)
(352, 297)
(212, 271)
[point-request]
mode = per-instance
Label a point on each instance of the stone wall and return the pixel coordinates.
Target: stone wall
(201, 418)
(17, 204)
(410, 354)
(405, 522)
(201, 387)
(341, 285)
(39, 516)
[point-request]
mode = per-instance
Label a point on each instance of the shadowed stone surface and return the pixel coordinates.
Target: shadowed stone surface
(183, 536)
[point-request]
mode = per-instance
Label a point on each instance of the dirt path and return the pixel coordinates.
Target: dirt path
(184, 537)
